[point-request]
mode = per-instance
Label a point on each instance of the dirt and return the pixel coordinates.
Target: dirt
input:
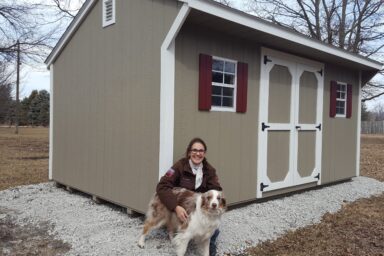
(357, 229)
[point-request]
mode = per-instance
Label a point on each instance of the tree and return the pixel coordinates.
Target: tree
(353, 25)
(5, 92)
(365, 114)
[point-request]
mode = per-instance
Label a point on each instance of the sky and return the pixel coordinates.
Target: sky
(39, 79)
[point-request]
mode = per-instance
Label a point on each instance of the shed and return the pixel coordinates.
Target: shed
(133, 81)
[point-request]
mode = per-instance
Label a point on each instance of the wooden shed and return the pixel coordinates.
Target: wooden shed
(133, 81)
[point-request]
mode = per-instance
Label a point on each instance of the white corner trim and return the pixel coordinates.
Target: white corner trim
(167, 92)
(248, 20)
(50, 124)
(358, 127)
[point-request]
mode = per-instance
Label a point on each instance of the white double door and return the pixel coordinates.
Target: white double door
(290, 118)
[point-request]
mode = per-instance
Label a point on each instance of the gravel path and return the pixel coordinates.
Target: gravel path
(93, 229)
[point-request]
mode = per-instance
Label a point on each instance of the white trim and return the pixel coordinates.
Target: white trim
(50, 171)
(167, 92)
(250, 21)
(104, 17)
(358, 127)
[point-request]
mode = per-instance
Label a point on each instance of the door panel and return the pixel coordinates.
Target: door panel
(308, 97)
(280, 87)
(278, 155)
(306, 154)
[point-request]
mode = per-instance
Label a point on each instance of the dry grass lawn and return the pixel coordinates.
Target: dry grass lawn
(23, 156)
(357, 229)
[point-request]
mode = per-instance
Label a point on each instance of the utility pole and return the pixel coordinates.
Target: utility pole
(17, 109)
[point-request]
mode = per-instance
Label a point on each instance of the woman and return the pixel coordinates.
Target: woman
(192, 172)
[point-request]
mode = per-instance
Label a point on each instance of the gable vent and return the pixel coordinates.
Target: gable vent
(108, 12)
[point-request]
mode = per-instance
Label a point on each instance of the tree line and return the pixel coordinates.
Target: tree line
(33, 110)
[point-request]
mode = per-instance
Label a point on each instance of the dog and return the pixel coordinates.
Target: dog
(204, 216)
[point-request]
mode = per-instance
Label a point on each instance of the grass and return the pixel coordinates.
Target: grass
(23, 156)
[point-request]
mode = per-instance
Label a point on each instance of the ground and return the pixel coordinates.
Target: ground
(357, 229)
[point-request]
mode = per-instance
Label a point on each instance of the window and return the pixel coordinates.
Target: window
(222, 84)
(108, 12)
(341, 99)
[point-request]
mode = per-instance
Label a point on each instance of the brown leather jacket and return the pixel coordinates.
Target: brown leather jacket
(181, 175)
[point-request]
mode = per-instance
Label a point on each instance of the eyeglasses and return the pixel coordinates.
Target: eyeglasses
(195, 151)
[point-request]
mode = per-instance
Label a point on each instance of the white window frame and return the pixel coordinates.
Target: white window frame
(113, 20)
(342, 100)
(220, 108)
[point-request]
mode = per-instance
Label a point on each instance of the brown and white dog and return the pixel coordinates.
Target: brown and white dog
(204, 211)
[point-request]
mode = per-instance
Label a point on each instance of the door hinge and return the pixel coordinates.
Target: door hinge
(319, 127)
(266, 60)
(320, 72)
(264, 126)
(262, 186)
(317, 176)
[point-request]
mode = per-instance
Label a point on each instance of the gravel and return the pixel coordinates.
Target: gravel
(104, 229)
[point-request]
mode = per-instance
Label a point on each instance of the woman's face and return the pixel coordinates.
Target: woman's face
(197, 153)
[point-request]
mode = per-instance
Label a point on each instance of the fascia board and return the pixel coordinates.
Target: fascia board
(215, 9)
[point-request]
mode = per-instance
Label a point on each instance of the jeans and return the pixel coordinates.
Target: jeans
(212, 243)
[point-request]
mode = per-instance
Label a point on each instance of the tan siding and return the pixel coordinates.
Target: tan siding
(339, 134)
(231, 137)
(106, 101)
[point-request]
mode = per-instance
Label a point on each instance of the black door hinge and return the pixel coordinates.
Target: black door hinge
(264, 126)
(266, 60)
(320, 72)
(319, 127)
(262, 186)
(317, 176)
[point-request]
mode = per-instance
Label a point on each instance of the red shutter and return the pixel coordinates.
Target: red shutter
(349, 101)
(242, 84)
(205, 82)
(332, 109)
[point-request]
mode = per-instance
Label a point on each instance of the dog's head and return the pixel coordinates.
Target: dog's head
(213, 202)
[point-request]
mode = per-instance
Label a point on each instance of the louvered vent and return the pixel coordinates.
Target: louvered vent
(108, 10)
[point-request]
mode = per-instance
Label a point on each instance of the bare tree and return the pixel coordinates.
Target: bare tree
(354, 25)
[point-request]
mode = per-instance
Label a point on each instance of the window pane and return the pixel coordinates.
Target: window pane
(216, 90)
(217, 77)
(229, 79)
(227, 102)
(342, 95)
(227, 91)
(338, 95)
(230, 67)
(216, 101)
(340, 107)
(218, 65)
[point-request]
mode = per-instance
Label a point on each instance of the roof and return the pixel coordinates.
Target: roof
(209, 13)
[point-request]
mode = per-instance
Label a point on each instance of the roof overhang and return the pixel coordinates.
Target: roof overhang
(210, 14)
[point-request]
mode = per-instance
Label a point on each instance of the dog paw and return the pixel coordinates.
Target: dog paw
(141, 243)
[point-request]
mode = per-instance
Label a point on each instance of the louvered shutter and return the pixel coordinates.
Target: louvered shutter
(205, 82)
(332, 108)
(349, 101)
(242, 84)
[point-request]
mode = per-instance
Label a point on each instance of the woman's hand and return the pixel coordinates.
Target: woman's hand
(181, 213)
